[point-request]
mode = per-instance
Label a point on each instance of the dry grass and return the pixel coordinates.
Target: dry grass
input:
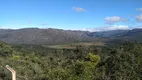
(73, 45)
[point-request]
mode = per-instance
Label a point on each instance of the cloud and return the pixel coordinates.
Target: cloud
(108, 28)
(4, 27)
(114, 19)
(139, 9)
(78, 9)
(116, 27)
(139, 18)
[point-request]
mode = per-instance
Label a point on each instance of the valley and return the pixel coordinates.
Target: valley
(53, 54)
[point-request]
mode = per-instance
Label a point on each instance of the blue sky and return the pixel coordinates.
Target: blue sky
(71, 14)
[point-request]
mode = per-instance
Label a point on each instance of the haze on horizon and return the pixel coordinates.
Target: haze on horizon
(91, 15)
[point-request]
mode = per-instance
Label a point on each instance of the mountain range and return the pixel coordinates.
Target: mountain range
(59, 36)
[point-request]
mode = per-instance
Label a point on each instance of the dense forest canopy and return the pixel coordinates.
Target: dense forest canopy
(36, 62)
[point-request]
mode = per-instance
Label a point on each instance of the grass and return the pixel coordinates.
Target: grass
(73, 45)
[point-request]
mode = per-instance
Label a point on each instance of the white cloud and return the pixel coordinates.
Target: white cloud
(78, 9)
(116, 27)
(139, 18)
(114, 19)
(108, 28)
(139, 9)
(3, 27)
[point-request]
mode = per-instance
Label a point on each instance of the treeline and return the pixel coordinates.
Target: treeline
(35, 62)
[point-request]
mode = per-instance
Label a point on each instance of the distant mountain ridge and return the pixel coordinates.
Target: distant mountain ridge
(42, 36)
(55, 36)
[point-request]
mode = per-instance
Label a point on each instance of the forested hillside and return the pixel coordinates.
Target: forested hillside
(36, 62)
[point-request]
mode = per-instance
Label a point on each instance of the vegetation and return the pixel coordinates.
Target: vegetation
(37, 62)
(73, 45)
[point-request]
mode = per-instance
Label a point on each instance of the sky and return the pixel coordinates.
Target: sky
(91, 15)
